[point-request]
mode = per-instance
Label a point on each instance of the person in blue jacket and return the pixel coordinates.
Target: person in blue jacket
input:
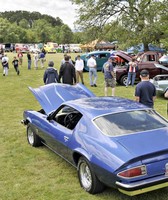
(50, 74)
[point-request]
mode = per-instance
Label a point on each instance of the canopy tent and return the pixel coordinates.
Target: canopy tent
(140, 48)
(97, 44)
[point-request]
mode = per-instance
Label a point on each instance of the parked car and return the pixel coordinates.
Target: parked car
(111, 141)
(75, 48)
(9, 47)
(146, 60)
(24, 48)
(34, 49)
(101, 58)
(164, 60)
(50, 47)
(161, 83)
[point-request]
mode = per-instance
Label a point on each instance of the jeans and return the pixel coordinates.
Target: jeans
(131, 77)
(29, 64)
(5, 71)
(92, 72)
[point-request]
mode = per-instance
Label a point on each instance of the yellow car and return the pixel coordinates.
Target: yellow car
(50, 47)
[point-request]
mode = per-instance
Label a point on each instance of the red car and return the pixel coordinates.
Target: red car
(147, 60)
(21, 48)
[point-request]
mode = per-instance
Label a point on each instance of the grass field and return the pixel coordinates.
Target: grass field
(28, 173)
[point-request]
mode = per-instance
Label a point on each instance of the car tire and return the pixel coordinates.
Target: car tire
(32, 137)
(123, 80)
(87, 178)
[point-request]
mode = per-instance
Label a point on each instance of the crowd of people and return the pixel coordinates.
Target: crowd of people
(71, 72)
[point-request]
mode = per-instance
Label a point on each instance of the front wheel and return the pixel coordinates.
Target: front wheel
(123, 80)
(87, 178)
(32, 137)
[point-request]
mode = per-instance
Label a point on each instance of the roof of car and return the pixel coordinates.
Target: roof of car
(96, 106)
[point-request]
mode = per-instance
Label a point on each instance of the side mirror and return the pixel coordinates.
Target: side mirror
(49, 117)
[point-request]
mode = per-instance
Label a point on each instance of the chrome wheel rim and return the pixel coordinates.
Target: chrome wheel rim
(85, 174)
(30, 136)
(125, 80)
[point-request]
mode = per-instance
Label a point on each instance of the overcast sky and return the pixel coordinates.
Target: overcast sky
(56, 8)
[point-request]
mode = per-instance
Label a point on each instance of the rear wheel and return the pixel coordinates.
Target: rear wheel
(32, 137)
(87, 177)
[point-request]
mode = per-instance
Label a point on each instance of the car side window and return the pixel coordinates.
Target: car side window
(103, 55)
(67, 117)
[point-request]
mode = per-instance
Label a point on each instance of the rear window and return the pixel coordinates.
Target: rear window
(130, 122)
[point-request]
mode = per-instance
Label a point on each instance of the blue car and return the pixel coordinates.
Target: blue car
(101, 58)
(111, 141)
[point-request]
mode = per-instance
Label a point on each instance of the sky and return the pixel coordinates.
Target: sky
(55, 8)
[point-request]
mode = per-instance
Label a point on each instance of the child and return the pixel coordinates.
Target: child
(15, 63)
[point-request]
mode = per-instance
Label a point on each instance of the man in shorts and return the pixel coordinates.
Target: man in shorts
(109, 76)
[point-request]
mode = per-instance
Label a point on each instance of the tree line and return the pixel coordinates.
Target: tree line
(129, 22)
(33, 27)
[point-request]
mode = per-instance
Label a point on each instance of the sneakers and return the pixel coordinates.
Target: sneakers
(94, 85)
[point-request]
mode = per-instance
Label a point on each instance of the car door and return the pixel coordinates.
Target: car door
(54, 135)
(101, 58)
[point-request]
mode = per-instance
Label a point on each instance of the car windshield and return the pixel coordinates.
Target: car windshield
(130, 122)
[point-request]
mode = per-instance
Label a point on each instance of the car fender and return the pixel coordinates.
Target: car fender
(80, 152)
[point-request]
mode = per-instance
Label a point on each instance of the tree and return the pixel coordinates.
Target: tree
(142, 19)
(66, 35)
(24, 24)
(43, 31)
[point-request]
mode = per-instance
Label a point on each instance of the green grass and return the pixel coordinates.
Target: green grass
(28, 173)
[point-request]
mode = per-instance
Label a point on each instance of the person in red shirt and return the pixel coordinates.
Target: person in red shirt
(20, 57)
(131, 72)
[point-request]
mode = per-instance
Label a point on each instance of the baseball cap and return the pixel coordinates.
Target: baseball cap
(144, 73)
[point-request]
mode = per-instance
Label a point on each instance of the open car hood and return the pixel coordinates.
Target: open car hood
(123, 55)
(51, 96)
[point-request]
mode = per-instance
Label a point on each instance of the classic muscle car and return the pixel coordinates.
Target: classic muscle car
(111, 141)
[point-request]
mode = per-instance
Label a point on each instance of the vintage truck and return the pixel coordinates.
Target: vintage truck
(146, 60)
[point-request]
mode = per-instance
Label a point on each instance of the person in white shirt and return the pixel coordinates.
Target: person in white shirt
(79, 65)
(5, 64)
(91, 63)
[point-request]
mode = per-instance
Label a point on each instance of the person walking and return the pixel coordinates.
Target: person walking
(92, 65)
(79, 65)
(131, 72)
(29, 60)
(15, 63)
(36, 59)
(50, 74)
(5, 64)
(145, 91)
(42, 59)
(20, 57)
(67, 72)
(109, 76)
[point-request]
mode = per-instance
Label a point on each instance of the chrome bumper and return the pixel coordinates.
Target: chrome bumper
(144, 186)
